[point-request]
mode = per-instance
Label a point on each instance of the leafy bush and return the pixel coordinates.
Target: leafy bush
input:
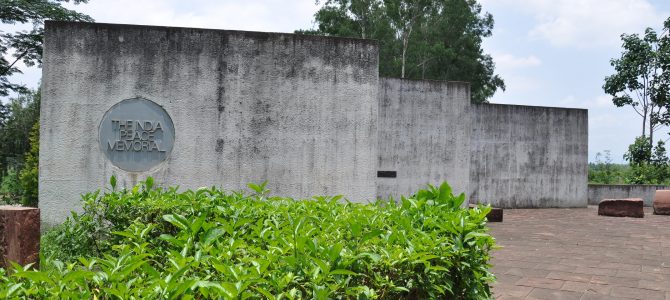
(648, 165)
(603, 171)
(28, 176)
(10, 187)
(152, 243)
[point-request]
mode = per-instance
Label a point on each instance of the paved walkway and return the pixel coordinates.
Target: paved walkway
(576, 254)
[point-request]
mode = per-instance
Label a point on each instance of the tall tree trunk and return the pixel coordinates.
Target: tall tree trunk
(405, 40)
(423, 70)
(405, 44)
(651, 130)
(644, 121)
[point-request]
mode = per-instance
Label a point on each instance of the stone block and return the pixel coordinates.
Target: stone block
(19, 235)
(631, 207)
(495, 215)
(662, 202)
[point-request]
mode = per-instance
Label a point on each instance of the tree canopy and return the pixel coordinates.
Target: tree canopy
(419, 39)
(26, 45)
(642, 78)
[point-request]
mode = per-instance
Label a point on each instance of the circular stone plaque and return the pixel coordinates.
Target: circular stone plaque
(136, 134)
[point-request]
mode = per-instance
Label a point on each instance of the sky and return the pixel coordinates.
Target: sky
(549, 52)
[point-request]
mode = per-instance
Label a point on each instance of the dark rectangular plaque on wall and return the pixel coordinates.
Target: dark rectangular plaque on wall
(386, 174)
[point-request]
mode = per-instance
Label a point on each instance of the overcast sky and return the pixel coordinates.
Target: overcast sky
(549, 52)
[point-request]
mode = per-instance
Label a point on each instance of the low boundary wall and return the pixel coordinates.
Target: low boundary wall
(598, 192)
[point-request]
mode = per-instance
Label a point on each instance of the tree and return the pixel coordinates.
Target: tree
(14, 135)
(648, 165)
(19, 119)
(419, 39)
(404, 16)
(642, 78)
(603, 170)
(28, 176)
(639, 152)
(10, 188)
(26, 46)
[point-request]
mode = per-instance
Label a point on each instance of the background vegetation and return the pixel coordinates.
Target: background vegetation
(19, 115)
(644, 167)
(19, 153)
(419, 39)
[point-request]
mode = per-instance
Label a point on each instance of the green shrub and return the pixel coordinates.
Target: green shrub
(10, 187)
(152, 243)
(28, 176)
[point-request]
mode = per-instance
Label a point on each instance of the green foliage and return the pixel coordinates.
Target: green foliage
(151, 243)
(29, 174)
(23, 112)
(647, 165)
(26, 46)
(603, 171)
(10, 187)
(419, 39)
(15, 138)
(639, 152)
(642, 78)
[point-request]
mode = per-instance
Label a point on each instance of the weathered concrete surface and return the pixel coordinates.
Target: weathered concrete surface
(662, 202)
(632, 207)
(598, 192)
(424, 129)
(299, 111)
(19, 235)
(526, 156)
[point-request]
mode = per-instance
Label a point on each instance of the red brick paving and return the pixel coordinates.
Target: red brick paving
(576, 254)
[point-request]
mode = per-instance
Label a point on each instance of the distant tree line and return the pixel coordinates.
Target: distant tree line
(644, 166)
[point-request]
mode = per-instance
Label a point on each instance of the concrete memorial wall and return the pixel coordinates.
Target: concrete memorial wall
(528, 156)
(198, 107)
(424, 135)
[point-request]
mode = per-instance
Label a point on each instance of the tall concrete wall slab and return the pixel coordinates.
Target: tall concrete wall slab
(525, 156)
(646, 192)
(424, 129)
(299, 111)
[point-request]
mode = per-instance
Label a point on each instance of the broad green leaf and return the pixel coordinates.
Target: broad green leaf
(177, 220)
(343, 272)
(212, 234)
(37, 276)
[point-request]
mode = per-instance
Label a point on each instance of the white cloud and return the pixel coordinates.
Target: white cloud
(603, 101)
(600, 103)
(256, 15)
(509, 61)
(511, 67)
(586, 23)
(568, 100)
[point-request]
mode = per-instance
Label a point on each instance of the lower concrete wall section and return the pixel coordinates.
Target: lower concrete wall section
(598, 192)
(424, 129)
(526, 157)
(299, 111)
